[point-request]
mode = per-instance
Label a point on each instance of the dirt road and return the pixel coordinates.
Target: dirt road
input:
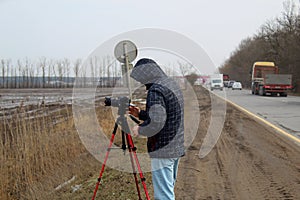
(250, 161)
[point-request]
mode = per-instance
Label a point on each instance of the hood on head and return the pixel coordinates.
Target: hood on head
(147, 71)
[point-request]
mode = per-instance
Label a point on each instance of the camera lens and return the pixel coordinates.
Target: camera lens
(107, 101)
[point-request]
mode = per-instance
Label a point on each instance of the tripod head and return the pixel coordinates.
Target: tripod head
(122, 103)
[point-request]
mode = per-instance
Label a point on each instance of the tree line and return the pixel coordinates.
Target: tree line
(60, 73)
(64, 73)
(277, 40)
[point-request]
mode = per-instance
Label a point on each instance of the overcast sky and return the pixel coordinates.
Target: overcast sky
(73, 28)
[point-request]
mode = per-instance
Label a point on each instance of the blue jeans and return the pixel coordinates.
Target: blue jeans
(164, 174)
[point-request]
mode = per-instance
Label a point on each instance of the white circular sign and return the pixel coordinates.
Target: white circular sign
(125, 48)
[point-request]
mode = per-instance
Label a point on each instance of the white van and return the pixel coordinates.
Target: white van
(216, 82)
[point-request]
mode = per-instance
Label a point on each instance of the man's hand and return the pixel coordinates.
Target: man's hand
(135, 111)
(135, 131)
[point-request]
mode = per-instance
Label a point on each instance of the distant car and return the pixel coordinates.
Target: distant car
(236, 86)
(230, 83)
(225, 83)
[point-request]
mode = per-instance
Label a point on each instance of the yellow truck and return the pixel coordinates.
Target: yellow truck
(267, 80)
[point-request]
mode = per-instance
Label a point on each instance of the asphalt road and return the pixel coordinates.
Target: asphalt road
(283, 112)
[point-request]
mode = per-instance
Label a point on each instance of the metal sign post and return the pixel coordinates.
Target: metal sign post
(125, 52)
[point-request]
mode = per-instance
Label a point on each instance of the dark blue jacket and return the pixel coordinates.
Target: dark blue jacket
(163, 118)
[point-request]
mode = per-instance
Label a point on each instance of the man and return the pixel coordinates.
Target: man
(163, 125)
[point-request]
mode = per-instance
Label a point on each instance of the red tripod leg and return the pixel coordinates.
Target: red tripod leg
(105, 160)
(132, 149)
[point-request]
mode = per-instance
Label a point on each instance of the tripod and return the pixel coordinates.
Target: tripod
(122, 121)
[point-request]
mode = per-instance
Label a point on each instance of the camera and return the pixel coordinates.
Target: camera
(122, 101)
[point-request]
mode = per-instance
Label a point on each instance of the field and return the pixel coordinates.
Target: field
(42, 157)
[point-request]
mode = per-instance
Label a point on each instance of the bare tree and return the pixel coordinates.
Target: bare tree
(3, 72)
(184, 68)
(31, 74)
(92, 68)
(114, 68)
(102, 70)
(43, 62)
(108, 70)
(15, 77)
(53, 66)
(21, 74)
(51, 72)
(167, 69)
(83, 77)
(59, 66)
(77, 67)
(66, 74)
(12, 74)
(8, 68)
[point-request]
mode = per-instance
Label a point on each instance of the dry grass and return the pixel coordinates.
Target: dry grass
(39, 152)
(34, 146)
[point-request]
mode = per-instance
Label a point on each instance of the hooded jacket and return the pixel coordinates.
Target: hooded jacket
(163, 118)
